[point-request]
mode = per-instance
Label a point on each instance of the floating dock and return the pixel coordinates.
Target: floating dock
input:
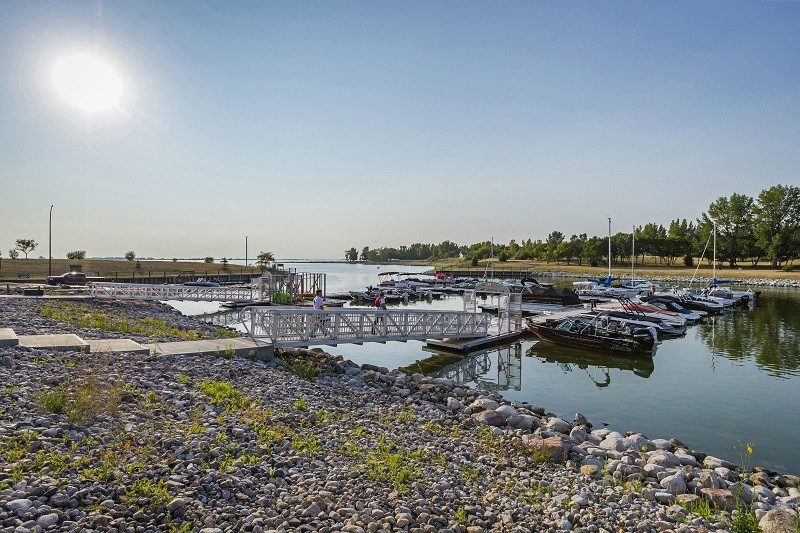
(465, 346)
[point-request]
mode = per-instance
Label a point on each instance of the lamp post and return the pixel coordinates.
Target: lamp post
(245, 250)
(50, 245)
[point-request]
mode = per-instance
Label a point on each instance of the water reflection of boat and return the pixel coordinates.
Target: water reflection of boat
(567, 358)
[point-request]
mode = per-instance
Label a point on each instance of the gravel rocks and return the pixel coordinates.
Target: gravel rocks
(160, 443)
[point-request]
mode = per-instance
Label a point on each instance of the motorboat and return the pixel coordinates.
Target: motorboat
(662, 329)
(686, 300)
(671, 305)
(592, 334)
(628, 306)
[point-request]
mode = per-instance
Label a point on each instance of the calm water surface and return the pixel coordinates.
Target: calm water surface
(732, 379)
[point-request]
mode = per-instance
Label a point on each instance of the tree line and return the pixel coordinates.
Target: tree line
(752, 230)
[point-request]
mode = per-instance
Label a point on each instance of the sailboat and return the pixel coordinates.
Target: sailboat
(717, 289)
(608, 279)
(602, 288)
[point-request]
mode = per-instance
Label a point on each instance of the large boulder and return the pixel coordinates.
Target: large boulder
(526, 422)
(663, 458)
(778, 520)
(722, 498)
(483, 404)
(506, 410)
(676, 483)
(558, 425)
(490, 417)
(557, 446)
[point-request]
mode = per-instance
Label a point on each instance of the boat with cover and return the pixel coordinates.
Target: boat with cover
(628, 306)
(660, 329)
(684, 299)
(591, 334)
(670, 305)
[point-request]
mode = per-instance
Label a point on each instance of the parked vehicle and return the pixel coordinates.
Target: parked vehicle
(72, 278)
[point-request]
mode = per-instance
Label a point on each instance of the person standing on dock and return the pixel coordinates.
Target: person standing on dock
(319, 319)
(380, 307)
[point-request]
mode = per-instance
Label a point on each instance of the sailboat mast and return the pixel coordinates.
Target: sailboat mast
(609, 247)
(714, 268)
(633, 250)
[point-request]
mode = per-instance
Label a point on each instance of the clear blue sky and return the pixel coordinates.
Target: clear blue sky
(311, 127)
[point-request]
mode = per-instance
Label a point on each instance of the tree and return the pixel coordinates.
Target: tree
(208, 259)
(778, 222)
(263, 258)
(130, 256)
(77, 254)
(13, 254)
(351, 254)
(224, 263)
(26, 245)
(735, 226)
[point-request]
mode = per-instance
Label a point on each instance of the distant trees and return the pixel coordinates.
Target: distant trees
(351, 255)
(208, 259)
(77, 254)
(13, 254)
(263, 258)
(777, 223)
(130, 256)
(754, 229)
(25, 246)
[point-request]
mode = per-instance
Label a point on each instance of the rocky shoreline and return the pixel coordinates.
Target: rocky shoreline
(310, 442)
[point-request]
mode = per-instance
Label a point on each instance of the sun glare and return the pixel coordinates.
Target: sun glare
(87, 82)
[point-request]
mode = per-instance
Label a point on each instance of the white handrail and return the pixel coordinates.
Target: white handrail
(302, 327)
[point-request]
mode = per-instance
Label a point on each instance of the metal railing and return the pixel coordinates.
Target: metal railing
(140, 291)
(304, 327)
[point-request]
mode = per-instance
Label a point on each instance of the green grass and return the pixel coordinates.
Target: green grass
(304, 370)
(53, 401)
(223, 393)
(703, 508)
(86, 316)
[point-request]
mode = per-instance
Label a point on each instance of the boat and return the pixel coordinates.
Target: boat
(687, 300)
(628, 306)
(662, 329)
(671, 305)
(591, 334)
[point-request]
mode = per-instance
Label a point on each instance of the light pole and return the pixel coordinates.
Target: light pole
(245, 250)
(50, 245)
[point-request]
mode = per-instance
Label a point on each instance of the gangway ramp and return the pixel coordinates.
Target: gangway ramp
(143, 291)
(288, 326)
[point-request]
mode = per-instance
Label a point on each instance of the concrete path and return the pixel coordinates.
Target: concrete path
(237, 346)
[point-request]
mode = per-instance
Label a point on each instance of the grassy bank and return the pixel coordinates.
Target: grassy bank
(648, 269)
(38, 268)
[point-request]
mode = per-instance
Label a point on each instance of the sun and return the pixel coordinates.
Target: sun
(87, 82)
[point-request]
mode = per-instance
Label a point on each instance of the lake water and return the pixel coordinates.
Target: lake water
(733, 379)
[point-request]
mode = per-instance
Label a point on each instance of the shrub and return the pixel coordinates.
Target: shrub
(77, 254)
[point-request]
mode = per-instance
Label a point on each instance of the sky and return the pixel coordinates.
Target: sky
(307, 128)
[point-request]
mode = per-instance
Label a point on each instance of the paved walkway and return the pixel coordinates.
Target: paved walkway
(237, 346)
